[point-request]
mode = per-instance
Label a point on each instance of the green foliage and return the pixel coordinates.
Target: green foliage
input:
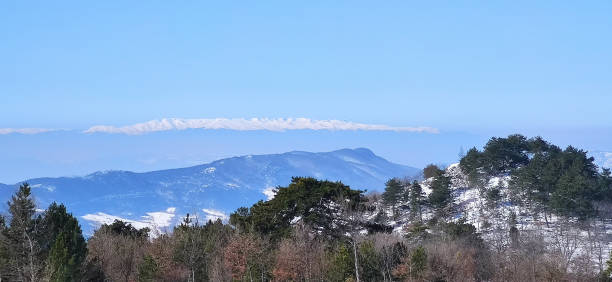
(605, 185)
(315, 202)
(21, 209)
(416, 197)
(122, 228)
(342, 264)
(393, 192)
(196, 245)
(68, 247)
(472, 164)
(418, 262)
(148, 269)
(32, 247)
(241, 219)
(500, 155)
(461, 230)
(566, 182)
(441, 194)
(417, 231)
(542, 175)
(369, 262)
(431, 170)
(22, 236)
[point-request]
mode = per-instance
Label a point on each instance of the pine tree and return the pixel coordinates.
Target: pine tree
(68, 248)
(416, 198)
(441, 196)
(393, 192)
(24, 249)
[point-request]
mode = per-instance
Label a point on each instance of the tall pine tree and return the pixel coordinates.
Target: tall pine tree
(440, 197)
(67, 247)
(393, 192)
(24, 262)
(416, 198)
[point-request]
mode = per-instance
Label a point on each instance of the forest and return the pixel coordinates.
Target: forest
(318, 230)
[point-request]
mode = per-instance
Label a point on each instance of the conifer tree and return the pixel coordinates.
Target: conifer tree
(416, 198)
(68, 249)
(393, 192)
(441, 196)
(147, 271)
(22, 235)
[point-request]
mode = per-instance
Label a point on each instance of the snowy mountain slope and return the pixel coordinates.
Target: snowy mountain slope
(567, 236)
(160, 198)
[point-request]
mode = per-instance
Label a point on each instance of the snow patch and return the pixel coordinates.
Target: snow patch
(156, 221)
(270, 192)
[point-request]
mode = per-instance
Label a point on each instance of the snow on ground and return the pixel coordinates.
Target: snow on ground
(492, 219)
(270, 192)
(158, 222)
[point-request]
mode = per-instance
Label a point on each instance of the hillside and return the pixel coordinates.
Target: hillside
(212, 190)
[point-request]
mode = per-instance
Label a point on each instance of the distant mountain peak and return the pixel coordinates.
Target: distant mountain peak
(222, 185)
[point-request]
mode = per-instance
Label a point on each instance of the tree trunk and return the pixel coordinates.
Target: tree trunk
(356, 261)
(31, 257)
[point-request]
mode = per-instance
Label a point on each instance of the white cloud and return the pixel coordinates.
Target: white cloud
(213, 215)
(4, 131)
(241, 124)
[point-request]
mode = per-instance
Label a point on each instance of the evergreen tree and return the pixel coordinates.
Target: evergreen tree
(393, 192)
(440, 197)
(68, 248)
(342, 266)
(418, 262)
(25, 263)
(369, 262)
(431, 170)
(147, 271)
(472, 165)
(416, 198)
(311, 200)
(605, 185)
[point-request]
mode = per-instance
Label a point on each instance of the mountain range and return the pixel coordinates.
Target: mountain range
(159, 199)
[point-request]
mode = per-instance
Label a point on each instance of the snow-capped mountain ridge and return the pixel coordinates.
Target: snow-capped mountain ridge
(220, 186)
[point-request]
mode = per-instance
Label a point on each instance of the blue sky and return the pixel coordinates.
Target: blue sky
(470, 70)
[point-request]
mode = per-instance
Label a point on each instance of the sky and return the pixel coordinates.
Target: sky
(414, 82)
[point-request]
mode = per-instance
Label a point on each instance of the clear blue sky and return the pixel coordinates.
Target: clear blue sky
(474, 69)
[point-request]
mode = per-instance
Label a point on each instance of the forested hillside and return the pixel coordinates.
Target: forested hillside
(519, 209)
